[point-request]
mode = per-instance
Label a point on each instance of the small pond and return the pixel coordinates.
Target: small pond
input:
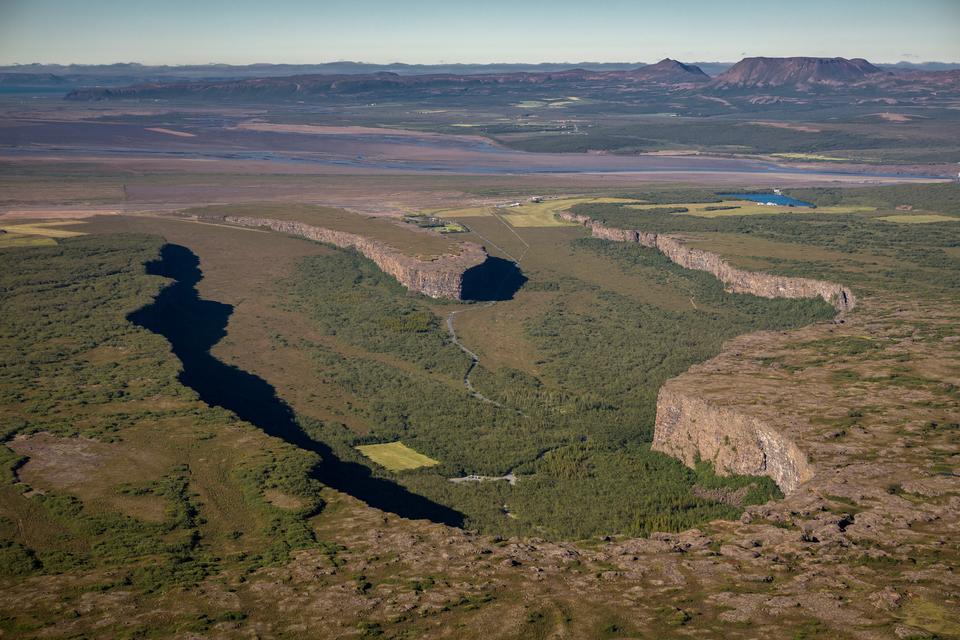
(781, 200)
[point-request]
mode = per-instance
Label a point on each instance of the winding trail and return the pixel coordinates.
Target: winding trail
(474, 358)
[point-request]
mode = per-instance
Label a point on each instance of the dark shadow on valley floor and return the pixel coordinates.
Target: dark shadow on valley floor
(193, 326)
(495, 279)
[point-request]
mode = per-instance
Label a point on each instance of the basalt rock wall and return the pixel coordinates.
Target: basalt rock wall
(738, 280)
(688, 428)
(441, 277)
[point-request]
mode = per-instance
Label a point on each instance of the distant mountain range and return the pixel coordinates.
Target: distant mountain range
(773, 76)
(666, 73)
(122, 74)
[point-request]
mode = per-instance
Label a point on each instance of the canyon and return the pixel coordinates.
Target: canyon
(688, 427)
(442, 277)
(692, 428)
(737, 280)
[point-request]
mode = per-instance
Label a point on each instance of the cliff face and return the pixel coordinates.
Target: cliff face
(438, 278)
(689, 428)
(765, 285)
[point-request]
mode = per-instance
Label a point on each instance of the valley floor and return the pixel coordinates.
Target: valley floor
(139, 501)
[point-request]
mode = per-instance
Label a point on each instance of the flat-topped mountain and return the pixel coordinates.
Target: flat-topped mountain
(752, 73)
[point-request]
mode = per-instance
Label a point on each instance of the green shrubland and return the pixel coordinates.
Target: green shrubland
(75, 369)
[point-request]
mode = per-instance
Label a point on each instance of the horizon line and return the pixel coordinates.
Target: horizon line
(435, 64)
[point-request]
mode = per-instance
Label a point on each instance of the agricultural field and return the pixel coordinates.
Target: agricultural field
(45, 229)
(9, 239)
(725, 208)
(918, 218)
(36, 234)
(527, 213)
(396, 456)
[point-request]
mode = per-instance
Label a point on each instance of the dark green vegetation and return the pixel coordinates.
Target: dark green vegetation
(174, 517)
(577, 434)
(943, 198)
(75, 366)
(653, 135)
(145, 499)
(858, 249)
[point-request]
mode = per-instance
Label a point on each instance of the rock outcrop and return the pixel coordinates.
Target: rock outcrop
(765, 285)
(689, 428)
(441, 277)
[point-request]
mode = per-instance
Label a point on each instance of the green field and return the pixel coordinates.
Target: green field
(45, 229)
(527, 214)
(396, 456)
(726, 208)
(918, 218)
(81, 401)
(36, 234)
(24, 240)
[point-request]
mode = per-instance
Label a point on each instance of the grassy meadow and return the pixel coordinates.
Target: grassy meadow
(396, 456)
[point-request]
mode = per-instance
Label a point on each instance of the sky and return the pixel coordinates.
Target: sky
(478, 31)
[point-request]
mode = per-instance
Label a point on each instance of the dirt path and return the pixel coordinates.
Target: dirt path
(474, 358)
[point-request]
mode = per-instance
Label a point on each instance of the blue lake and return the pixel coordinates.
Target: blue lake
(783, 201)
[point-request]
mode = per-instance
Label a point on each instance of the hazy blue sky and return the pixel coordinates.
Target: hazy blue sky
(242, 31)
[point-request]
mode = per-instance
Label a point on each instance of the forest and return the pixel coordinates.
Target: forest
(578, 435)
(876, 254)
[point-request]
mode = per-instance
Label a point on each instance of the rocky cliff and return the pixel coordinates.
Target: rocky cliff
(689, 428)
(765, 285)
(438, 278)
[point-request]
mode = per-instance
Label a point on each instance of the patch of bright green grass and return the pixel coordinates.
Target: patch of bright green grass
(396, 456)
(918, 218)
(23, 240)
